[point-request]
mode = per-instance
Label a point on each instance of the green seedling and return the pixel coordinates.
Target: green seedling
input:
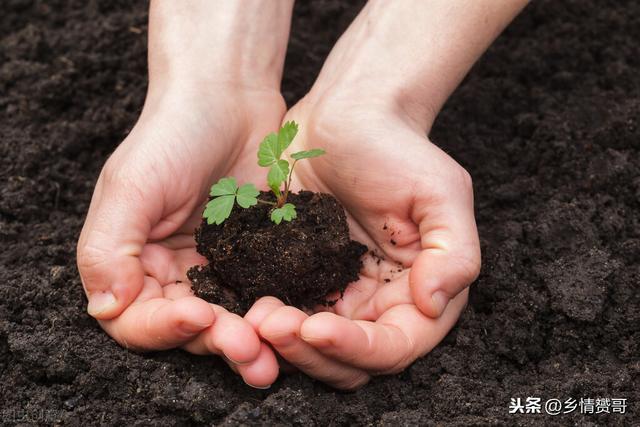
(226, 193)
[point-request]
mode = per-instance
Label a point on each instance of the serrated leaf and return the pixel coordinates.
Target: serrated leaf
(286, 212)
(289, 212)
(278, 173)
(224, 187)
(219, 209)
(308, 154)
(287, 132)
(269, 151)
(247, 195)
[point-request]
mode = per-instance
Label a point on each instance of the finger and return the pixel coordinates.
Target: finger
(386, 346)
(177, 290)
(160, 324)
(450, 259)
(375, 291)
(169, 265)
(111, 241)
(387, 295)
(262, 308)
(259, 372)
(263, 371)
(355, 294)
(151, 289)
(281, 328)
(230, 336)
(190, 223)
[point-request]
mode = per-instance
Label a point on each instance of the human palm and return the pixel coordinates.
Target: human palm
(412, 205)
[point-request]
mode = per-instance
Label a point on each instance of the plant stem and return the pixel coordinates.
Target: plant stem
(287, 185)
(266, 202)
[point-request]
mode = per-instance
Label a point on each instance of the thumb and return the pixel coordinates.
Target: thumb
(114, 233)
(450, 257)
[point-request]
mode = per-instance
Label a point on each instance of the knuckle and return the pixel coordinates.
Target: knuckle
(267, 332)
(124, 188)
(455, 180)
(398, 366)
(470, 266)
(474, 270)
(125, 181)
(118, 336)
(395, 367)
(114, 174)
(89, 257)
(462, 178)
(403, 356)
(111, 172)
(276, 332)
(268, 300)
(264, 330)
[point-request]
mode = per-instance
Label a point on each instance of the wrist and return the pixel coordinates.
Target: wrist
(389, 55)
(209, 43)
(226, 110)
(404, 102)
(374, 66)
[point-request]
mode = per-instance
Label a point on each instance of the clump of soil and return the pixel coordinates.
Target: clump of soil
(299, 262)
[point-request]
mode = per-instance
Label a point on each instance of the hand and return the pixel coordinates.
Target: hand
(137, 242)
(412, 205)
(371, 109)
(213, 95)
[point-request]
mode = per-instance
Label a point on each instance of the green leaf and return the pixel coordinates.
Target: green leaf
(224, 187)
(247, 195)
(269, 151)
(308, 154)
(286, 134)
(286, 212)
(278, 173)
(276, 190)
(219, 209)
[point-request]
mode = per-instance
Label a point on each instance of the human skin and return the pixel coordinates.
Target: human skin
(214, 76)
(213, 95)
(371, 109)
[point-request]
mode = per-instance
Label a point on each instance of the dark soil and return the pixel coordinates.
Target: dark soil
(300, 262)
(548, 125)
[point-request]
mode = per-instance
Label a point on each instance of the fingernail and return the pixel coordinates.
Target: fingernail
(257, 387)
(440, 301)
(99, 302)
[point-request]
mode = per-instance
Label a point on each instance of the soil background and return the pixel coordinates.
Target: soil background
(548, 125)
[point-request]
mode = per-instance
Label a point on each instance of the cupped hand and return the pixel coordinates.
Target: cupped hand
(137, 241)
(412, 205)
